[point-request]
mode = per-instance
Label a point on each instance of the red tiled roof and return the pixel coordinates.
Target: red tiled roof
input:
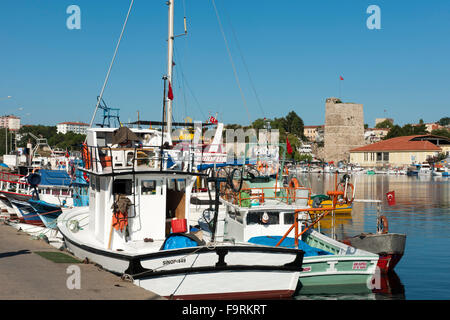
(399, 144)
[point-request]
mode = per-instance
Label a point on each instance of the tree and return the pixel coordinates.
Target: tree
(444, 121)
(259, 124)
(385, 124)
(441, 132)
(395, 131)
(294, 124)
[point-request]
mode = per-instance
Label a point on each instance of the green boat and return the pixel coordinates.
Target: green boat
(329, 266)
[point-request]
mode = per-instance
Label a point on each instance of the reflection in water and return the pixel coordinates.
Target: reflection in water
(422, 212)
(385, 287)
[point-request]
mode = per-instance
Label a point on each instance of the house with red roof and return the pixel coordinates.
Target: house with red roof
(400, 151)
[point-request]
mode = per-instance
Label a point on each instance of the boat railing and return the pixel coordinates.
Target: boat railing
(10, 176)
(14, 186)
(145, 158)
(248, 197)
(320, 213)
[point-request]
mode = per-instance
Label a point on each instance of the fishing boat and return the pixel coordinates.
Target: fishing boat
(26, 213)
(440, 171)
(424, 169)
(150, 241)
(135, 226)
(267, 216)
(389, 246)
(47, 212)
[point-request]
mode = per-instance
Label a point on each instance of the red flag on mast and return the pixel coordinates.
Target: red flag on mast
(170, 94)
(340, 77)
(288, 145)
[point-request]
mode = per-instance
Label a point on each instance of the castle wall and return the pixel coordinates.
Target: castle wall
(344, 129)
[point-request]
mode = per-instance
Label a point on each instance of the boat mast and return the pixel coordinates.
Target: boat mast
(170, 40)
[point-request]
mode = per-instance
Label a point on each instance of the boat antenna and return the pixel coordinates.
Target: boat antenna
(110, 66)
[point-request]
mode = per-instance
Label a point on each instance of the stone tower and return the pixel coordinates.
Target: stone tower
(344, 129)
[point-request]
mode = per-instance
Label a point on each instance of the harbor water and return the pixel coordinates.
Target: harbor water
(422, 212)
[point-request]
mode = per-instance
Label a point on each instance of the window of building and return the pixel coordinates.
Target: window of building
(379, 156)
(386, 156)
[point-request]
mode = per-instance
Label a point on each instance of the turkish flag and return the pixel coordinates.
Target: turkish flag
(288, 145)
(390, 196)
(170, 95)
(340, 77)
(213, 120)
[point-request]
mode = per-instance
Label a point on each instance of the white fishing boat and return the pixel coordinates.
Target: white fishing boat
(170, 261)
(136, 222)
(425, 169)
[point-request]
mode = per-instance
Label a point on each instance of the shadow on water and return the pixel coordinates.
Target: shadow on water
(15, 253)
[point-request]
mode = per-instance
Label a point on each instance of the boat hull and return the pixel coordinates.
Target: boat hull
(390, 247)
(207, 282)
(240, 271)
(340, 208)
(27, 213)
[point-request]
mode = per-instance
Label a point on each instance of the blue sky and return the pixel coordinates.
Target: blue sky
(293, 50)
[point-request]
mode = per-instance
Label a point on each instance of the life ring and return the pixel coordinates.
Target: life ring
(341, 187)
(383, 225)
(293, 185)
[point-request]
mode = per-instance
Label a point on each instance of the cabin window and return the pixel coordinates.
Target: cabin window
(92, 182)
(256, 218)
(123, 186)
(148, 187)
(289, 218)
(171, 184)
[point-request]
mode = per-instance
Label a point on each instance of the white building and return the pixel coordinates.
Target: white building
(11, 122)
(76, 127)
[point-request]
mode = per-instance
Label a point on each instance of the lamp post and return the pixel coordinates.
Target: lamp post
(6, 126)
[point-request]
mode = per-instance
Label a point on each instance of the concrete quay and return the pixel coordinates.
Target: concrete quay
(26, 275)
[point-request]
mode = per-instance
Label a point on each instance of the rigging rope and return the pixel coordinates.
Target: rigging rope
(245, 65)
(231, 60)
(110, 66)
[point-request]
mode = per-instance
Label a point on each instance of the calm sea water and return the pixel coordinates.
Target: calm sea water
(422, 212)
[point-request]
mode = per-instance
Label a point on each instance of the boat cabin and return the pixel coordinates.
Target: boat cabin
(135, 194)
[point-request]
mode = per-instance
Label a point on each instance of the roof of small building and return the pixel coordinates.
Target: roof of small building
(405, 143)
